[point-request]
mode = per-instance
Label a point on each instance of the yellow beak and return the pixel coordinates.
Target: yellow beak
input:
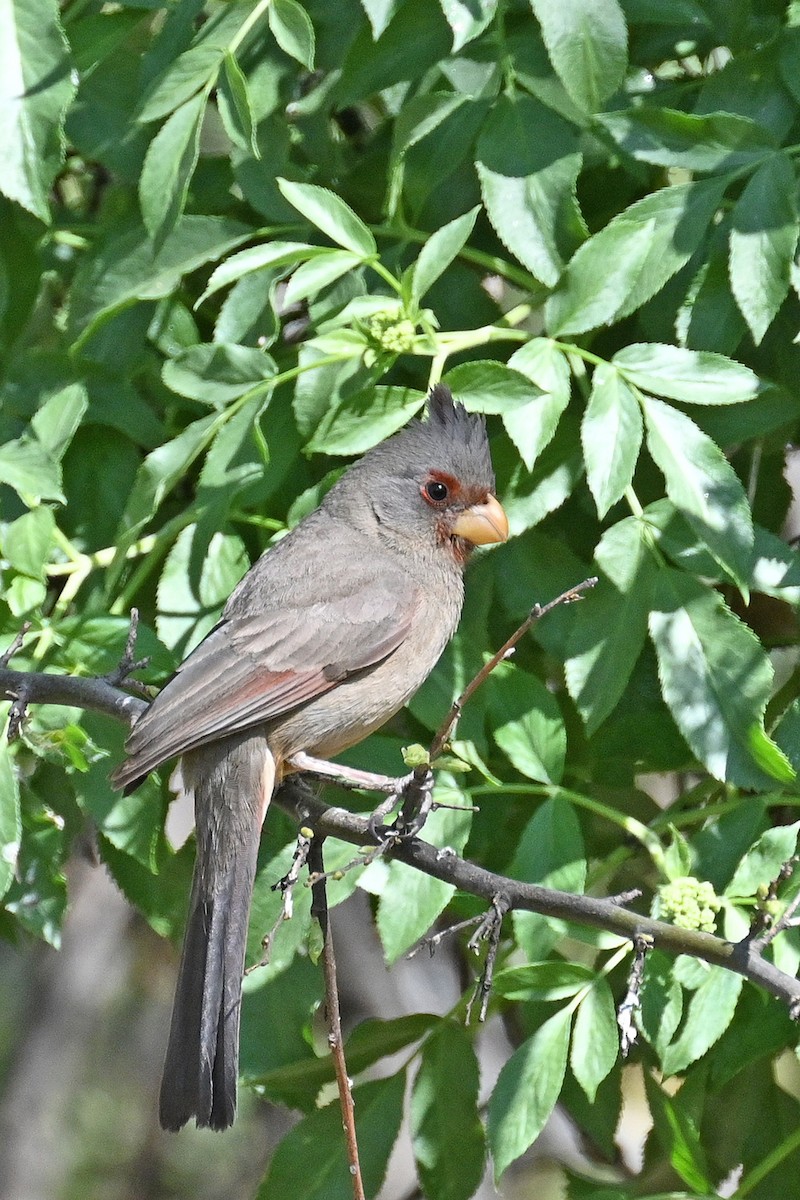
(482, 524)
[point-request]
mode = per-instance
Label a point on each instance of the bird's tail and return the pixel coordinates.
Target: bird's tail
(232, 781)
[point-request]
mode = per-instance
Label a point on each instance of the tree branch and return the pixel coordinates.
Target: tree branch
(743, 957)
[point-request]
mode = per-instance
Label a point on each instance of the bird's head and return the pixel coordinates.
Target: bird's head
(431, 483)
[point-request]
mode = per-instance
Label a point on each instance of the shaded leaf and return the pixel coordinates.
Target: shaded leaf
(587, 41)
(763, 242)
(448, 1068)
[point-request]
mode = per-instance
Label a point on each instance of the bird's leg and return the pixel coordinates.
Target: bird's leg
(347, 777)
(417, 794)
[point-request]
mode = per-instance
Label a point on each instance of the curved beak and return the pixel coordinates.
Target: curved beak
(483, 523)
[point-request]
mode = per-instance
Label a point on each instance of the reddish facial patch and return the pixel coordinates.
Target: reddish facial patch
(447, 480)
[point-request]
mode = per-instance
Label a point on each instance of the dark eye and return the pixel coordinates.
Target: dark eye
(436, 491)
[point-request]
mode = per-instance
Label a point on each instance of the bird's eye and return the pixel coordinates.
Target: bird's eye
(436, 491)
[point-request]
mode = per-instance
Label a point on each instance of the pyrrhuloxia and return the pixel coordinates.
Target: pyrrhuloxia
(323, 640)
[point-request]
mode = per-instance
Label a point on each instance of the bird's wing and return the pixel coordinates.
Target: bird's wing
(256, 665)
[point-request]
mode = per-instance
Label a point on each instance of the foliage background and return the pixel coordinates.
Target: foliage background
(237, 243)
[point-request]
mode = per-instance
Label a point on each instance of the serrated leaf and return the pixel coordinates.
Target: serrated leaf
(309, 1163)
(271, 255)
(217, 372)
(26, 542)
(611, 434)
(595, 1038)
(631, 259)
(763, 861)
(715, 677)
(292, 29)
(235, 106)
(710, 1013)
(129, 269)
(528, 161)
(448, 1069)
(763, 242)
(27, 467)
(360, 421)
(467, 18)
(319, 272)
(168, 168)
(192, 71)
(691, 376)
(678, 1134)
(527, 724)
(330, 214)
(544, 981)
(703, 485)
(670, 138)
(490, 387)
(551, 851)
(57, 421)
(610, 624)
(438, 253)
(532, 426)
(587, 41)
(36, 90)
(527, 1090)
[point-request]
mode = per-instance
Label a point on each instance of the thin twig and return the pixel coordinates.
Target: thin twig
(286, 887)
(489, 930)
(16, 645)
(628, 1033)
(537, 612)
(319, 909)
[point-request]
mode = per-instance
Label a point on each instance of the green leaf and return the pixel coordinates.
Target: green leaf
(10, 819)
(128, 268)
(160, 471)
(533, 426)
(490, 387)
(703, 485)
(527, 724)
(57, 421)
(361, 421)
(319, 272)
(379, 14)
(196, 581)
(37, 90)
(292, 29)
(691, 376)
(610, 624)
(444, 1114)
(438, 253)
(235, 106)
(544, 981)
(417, 38)
(467, 18)
(27, 541)
(530, 495)
(677, 1131)
(216, 372)
(763, 862)
(310, 1162)
(710, 1013)
(27, 467)
(595, 1038)
(193, 71)
(292, 1084)
(551, 851)
(528, 162)
(668, 138)
(409, 901)
(168, 168)
(329, 213)
(662, 1002)
(270, 255)
(527, 1091)
(715, 678)
(587, 41)
(763, 242)
(611, 433)
(631, 259)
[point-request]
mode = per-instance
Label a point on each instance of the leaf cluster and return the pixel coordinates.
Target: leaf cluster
(238, 242)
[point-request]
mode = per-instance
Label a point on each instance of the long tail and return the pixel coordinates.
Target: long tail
(232, 781)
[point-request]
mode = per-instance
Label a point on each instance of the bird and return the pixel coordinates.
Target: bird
(326, 637)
